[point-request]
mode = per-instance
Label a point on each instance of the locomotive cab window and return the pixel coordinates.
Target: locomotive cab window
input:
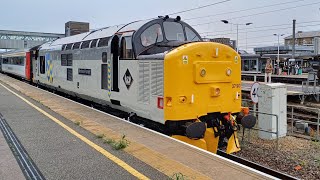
(191, 35)
(151, 35)
(173, 31)
(126, 48)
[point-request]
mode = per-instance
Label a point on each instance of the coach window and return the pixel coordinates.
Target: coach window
(173, 31)
(94, 43)
(42, 65)
(69, 46)
(85, 44)
(103, 42)
(191, 35)
(126, 48)
(151, 35)
(5, 61)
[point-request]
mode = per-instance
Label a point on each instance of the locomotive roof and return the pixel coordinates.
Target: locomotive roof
(95, 34)
(134, 29)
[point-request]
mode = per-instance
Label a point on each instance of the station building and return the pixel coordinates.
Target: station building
(307, 53)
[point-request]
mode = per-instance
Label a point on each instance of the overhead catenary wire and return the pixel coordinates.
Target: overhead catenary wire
(258, 27)
(273, 29)
(243, 10)
(261, 13)
(200, 7)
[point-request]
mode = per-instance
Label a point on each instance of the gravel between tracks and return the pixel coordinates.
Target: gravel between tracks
(295, 156)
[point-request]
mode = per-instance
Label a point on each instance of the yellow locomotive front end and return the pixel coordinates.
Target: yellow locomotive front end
(202, 95)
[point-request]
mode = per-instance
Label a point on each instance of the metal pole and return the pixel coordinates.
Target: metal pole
(318, 125)
(277, 118)
(254, 105)
(292, 120)
(294, 39)
(278, 60)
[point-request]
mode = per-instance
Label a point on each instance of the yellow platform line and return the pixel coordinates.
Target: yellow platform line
(84, 139)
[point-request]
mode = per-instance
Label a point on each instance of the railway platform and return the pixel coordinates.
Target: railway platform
(60, 138)
(289, 79)
(292, 89)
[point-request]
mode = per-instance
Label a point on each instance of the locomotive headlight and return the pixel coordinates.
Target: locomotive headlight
(217, 91)
(228, 72)
(203, 72)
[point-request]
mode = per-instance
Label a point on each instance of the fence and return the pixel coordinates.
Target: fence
(293, 119)
(276, 132)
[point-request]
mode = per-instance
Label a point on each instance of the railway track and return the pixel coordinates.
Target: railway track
(255, 166)
(159, 128)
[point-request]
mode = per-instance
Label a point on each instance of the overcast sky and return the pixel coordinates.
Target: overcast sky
(50, 16)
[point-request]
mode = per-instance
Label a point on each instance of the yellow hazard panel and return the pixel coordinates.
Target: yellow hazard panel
(233, 144)
(201, 78)
(211, 140)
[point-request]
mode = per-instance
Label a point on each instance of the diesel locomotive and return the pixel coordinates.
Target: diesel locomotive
(158, 69)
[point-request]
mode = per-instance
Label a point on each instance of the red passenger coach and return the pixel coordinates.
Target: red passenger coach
(17, 63)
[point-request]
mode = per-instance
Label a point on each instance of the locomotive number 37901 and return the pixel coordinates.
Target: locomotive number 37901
(236, 85)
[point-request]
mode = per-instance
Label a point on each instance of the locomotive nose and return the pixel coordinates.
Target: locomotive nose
(201, 78)
(202, 82)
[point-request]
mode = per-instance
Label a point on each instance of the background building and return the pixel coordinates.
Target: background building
(303, 38)
(73, 28)
(226, 41)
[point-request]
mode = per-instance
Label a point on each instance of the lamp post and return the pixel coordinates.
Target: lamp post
(278, 59)
(237, 24)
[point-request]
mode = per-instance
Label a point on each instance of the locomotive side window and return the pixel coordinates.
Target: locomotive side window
(126, 48)
(76, 45)
(42, 65)
(69, 74)
(69, 59)
(173, 31)
(85, 44)
(94, 43)
(66, 59)
(151, 35)
(63, 47)
(63, 59)
(103, 42)
(104, 57)
(69, 46)
(191, 35)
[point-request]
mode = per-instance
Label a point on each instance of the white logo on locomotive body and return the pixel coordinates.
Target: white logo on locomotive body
(127, 78)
